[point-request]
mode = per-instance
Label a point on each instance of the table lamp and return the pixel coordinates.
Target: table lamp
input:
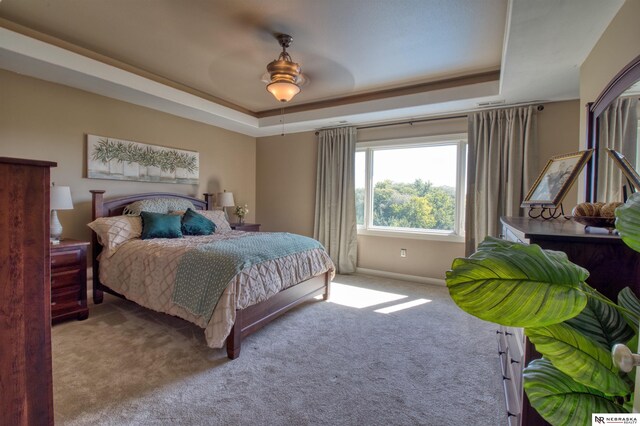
(225, 199)
(60, 200)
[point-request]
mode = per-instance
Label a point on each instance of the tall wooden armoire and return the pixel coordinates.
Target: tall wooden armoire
(25, 310)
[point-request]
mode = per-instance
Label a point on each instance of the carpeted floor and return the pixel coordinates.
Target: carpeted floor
(335, 363)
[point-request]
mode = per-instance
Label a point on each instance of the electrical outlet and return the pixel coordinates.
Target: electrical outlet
(403, 252)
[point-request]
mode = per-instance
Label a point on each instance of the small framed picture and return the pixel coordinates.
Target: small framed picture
(627, 169)
(555, 180)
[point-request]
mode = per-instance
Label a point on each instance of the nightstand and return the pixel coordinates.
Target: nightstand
(69, 280)
(249, 227)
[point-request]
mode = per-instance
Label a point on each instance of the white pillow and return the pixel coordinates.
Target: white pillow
(115, 230)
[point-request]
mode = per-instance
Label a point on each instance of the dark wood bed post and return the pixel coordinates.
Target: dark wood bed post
(327, 291)
(208, 197)
(96, 211)
(234, 339)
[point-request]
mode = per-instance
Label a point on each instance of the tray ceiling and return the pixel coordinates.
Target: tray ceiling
(390, 58)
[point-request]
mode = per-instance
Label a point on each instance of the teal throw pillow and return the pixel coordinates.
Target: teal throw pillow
(158, 225)
(195, 224)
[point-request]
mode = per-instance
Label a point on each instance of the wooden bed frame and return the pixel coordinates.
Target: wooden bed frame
(249, 319)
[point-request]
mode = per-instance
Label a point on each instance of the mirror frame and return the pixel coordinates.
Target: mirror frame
(620, 83)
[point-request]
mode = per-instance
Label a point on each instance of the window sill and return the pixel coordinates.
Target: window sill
(449, 237)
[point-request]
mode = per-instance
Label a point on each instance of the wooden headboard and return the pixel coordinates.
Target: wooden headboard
(114, 207)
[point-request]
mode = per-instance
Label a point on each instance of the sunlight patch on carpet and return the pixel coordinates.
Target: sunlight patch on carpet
(357, 297)
(402, 306)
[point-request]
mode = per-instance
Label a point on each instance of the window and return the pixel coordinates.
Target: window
(414, 187)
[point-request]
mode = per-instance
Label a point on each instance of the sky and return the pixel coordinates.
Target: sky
(436, 164)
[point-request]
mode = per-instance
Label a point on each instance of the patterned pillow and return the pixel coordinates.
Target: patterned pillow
(158, 205)
(115, 230)
(217, 217)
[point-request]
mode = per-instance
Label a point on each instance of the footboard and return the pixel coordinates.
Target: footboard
(257, 316)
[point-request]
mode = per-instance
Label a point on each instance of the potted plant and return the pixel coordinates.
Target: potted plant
(571, 324)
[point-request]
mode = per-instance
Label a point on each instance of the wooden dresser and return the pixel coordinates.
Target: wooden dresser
(25, 310)
(612, 266)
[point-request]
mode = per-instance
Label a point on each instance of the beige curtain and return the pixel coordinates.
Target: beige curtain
(499, 169)
(335, 216)
(618, 131)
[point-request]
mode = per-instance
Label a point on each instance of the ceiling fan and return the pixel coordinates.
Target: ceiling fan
(284, 77)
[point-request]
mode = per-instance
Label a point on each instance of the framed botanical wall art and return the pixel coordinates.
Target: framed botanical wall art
(110, 158)
(555, 180)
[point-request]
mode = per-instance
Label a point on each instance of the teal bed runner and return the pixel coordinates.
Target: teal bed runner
(204, 273)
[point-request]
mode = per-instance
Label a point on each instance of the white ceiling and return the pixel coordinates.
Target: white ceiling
(212, 54)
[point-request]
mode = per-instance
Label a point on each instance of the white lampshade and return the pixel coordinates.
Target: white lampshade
(61, 198)
(225, 199)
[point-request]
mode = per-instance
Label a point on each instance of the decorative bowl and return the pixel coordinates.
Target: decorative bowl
(596, 221)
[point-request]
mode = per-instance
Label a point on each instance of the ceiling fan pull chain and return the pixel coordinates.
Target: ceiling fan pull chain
(282, 120)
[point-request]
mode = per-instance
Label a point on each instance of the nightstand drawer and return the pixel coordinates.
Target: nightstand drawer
(65, 296)
(247, 227)
(65, 258)
(69, 280)
(65, 278)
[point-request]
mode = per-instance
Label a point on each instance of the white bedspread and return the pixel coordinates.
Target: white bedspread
(144, 271)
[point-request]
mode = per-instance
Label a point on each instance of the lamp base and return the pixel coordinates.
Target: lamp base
(55, 228)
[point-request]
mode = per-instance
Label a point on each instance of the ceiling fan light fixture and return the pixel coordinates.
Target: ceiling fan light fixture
(284, 73)
(283, 91)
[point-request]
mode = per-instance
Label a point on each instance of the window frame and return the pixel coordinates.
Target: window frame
(458, 139)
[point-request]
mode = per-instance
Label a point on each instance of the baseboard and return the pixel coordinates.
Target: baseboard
(402, 277)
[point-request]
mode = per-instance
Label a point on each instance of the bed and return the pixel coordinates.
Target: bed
(246, 305)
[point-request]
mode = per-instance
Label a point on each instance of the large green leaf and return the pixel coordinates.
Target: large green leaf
(628, 221)
(560, 399)
(580, 358)
(602, 323)
(628, 300)
(517, 284)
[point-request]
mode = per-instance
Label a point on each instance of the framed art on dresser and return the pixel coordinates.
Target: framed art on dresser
(556, 178)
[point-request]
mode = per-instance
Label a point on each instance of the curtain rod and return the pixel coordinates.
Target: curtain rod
(422, 120)
(399, 123)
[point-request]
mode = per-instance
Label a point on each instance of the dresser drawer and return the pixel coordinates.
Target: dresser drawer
(65, 278)
(65, 258)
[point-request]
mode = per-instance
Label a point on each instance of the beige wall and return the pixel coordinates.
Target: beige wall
(559, 133)
(46, 121)
(618, 45)
(285, 184)
(275, 176)
(286, 173)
